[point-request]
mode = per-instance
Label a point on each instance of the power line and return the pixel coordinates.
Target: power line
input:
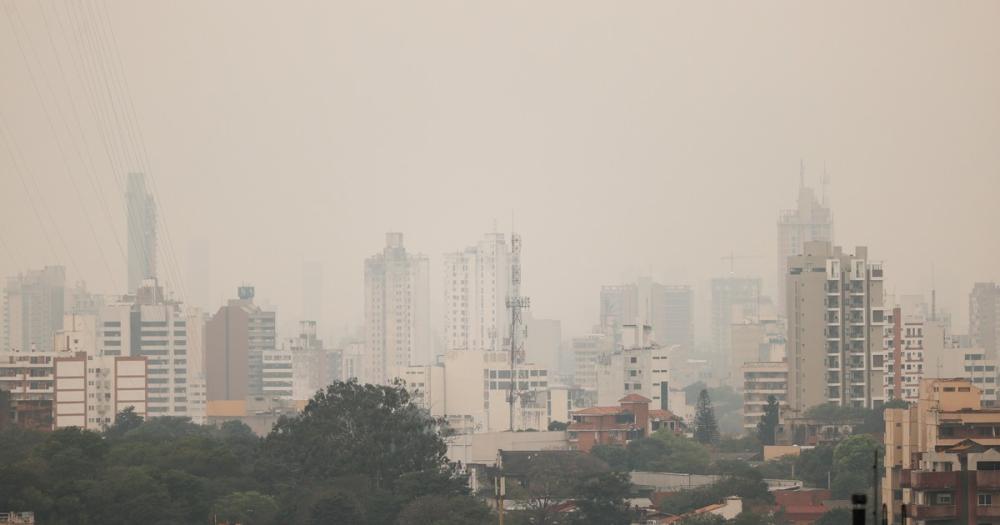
(91, 171)
(111, 121)
(134, 132)
(136, 129)
(13, 151)
(12, 8)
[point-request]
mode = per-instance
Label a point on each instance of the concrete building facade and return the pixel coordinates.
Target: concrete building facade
(760, 381)
(836, 321)
(236, 339)
(397, 319)
(984, 317)
(476, 286)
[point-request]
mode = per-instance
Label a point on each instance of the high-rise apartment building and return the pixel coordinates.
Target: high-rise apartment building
(148, 325)
(734, 300)
(672, 314)
(836, 321)
(141, 219)
(984, 317)
(33, 305)
(476, 286)
(811, 220)
(397, 319)
(236, 339)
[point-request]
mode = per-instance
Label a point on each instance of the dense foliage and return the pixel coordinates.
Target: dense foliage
(747, 484)
(357, 454)
(664, 451)
(769, 422)
(706, 428)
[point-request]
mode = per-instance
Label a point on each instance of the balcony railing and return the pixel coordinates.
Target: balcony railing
(934, 480)
(988, 511)
(929, 512)
(988, 479)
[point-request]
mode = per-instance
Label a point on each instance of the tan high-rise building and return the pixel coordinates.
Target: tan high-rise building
(836, 320)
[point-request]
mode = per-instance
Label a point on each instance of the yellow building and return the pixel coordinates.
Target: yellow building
(942, 456)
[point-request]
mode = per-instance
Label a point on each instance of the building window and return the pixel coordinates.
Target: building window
(984, 500)
(944, 499)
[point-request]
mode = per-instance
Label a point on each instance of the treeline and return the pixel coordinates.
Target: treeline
(357, 454)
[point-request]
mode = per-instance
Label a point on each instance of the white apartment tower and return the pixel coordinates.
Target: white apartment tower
(147, 325)
(397, 320)
(476, 285)
(836, 323)
(811, 220)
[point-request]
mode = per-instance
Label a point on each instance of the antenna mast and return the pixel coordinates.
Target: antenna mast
(515, 303)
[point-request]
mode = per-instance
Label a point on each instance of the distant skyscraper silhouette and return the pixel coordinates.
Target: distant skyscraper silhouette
(811, 220)
(141, 220)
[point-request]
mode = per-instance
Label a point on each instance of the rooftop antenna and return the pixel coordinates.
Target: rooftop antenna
(933, 296)
(515, 303)
(826, 185)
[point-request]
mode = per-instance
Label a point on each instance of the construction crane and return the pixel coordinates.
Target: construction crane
(732, 260)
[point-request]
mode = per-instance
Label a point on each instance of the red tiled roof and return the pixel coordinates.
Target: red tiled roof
(599, 411)
(787, 498)
(591, 426)
(635, 398)
(662, 414)
(804, 512)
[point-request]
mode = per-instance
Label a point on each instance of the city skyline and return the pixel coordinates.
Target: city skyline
(539, 163)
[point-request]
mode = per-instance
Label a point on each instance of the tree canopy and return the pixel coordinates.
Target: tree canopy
(357, 454)
(706, 428)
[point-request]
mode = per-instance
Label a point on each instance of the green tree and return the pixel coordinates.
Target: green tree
(247, 508)
(769, 422)
(852, 465)
(349, 428)
(617, 457)
(602, 498)
(125, 421)
(558, 425)
(815, 466)
(703, 519)
(683, 454)
(335, 506)
(706, 429)
(551, 480)
(445, 510)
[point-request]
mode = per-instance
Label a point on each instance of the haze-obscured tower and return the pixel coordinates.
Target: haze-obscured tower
(984, 317)
(811, 220)
(33, 307)
(836, 320)
(397, 304)
(672, 315)
(312, 291)
(734, 300)
(476, 284)
(141, 220)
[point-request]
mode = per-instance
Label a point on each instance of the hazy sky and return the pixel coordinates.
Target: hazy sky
(625, 138)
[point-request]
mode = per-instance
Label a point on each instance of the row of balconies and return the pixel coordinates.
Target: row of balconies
(925, 480)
